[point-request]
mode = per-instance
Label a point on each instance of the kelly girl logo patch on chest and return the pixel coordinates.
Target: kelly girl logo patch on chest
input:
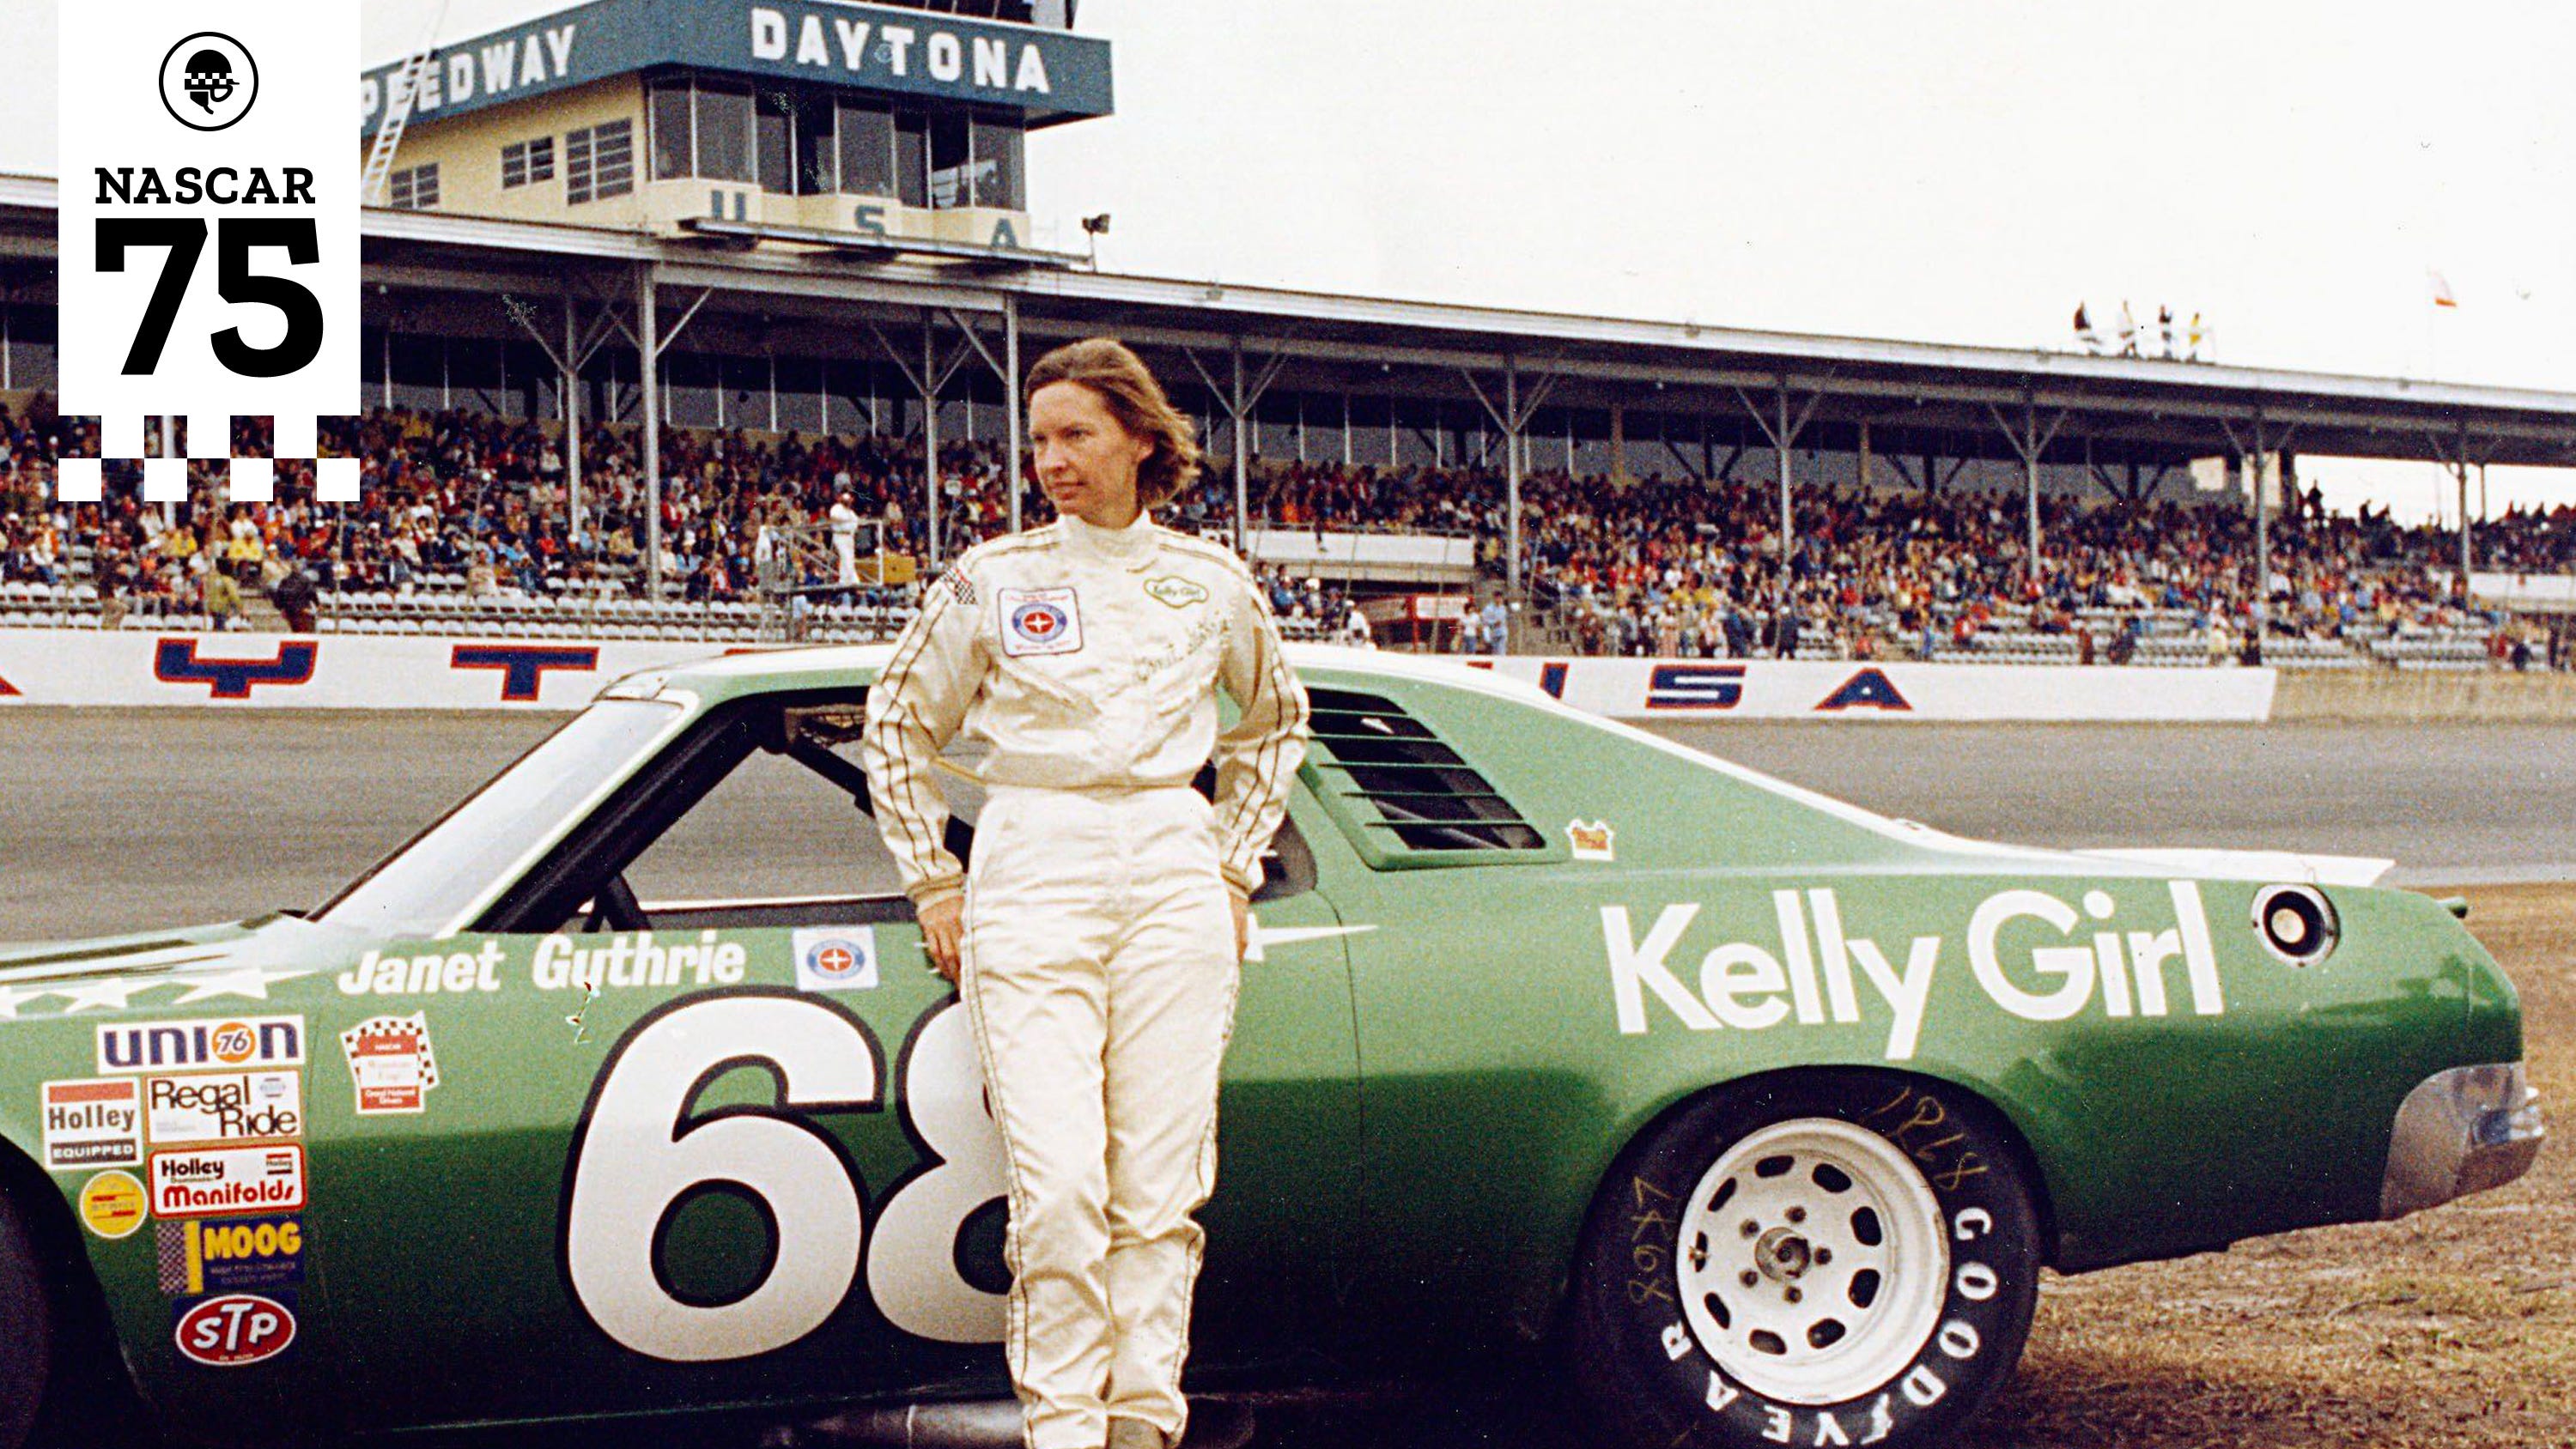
(1039, 621)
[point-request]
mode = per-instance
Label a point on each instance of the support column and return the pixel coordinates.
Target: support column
(571, 410)
(648, 325)
(1241, 411)
(930, 433)
(1238, 400)
(1514, 443)
(1513, 418)
(1005, 368)
(927, 384)
(2468, 550)
(1012, 422)
(2252, 449)
(2030, 443)
(2456, 458)
(1783, 437)
(649, 341)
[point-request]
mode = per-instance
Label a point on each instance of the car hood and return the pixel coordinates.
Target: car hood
(142, 952)
(2261, 865)
(2203, 864)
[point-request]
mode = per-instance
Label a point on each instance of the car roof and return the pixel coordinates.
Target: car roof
(760, 671)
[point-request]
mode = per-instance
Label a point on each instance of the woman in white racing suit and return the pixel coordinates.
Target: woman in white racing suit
(1097, 939)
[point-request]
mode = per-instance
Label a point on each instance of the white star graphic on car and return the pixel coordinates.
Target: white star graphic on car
(1262, 937)
(102, 994)
(11, 997)
(249, 981)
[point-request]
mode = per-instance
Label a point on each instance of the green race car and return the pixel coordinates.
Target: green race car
(623, 1089)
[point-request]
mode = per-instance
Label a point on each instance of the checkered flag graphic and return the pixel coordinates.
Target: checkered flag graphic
(247, 480)
(173, 1259)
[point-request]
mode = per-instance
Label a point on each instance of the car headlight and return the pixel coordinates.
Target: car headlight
(2297, 923)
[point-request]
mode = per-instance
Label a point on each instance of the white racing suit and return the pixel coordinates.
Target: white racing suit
(1099, 964)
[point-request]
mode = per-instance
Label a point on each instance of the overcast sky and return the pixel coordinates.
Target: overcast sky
(1961, 172)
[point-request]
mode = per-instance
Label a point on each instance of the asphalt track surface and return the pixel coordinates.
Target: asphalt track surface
(118, 820)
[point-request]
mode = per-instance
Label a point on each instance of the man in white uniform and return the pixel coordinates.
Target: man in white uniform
(1097, 959)
(845, 539)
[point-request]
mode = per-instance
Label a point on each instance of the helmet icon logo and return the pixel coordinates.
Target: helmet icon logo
(208, 81)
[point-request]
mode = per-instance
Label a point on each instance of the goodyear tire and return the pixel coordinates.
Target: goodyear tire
(26, 1328)
(1816, 1259)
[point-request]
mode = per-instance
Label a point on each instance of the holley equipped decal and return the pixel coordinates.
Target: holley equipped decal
(93, 1124)
(2023, 948)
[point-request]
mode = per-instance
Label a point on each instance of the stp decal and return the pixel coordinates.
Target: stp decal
(234, 1330)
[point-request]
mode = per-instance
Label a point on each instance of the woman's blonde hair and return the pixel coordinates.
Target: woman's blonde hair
(1120, 380)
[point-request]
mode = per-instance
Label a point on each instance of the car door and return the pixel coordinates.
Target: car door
(722, 1139)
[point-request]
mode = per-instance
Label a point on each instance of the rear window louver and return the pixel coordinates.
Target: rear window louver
(1405, 790)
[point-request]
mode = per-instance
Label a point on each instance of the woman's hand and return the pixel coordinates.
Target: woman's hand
(1242, 924)
(943, 934)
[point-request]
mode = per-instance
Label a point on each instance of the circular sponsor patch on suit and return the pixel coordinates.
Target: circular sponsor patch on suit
(111, 1204)
(208, 81)
(835, 960)
(1039, 623)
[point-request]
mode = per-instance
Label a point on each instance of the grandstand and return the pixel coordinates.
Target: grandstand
(839, 283)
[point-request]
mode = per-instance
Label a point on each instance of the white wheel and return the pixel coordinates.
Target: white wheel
(1812, 1261)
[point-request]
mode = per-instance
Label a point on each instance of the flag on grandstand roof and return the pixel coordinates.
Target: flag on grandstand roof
(2441, 289)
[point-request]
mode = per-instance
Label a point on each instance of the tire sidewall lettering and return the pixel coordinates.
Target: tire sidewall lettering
(1698, 1399)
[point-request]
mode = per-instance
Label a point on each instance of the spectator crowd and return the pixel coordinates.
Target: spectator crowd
(1645, 567)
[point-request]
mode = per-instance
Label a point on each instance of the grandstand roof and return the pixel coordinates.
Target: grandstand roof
(1049, 75)
(2138, 409)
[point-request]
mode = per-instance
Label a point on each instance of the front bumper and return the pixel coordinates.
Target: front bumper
(2459, 1132)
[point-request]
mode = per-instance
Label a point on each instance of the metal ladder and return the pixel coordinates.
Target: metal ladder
(400, 87)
